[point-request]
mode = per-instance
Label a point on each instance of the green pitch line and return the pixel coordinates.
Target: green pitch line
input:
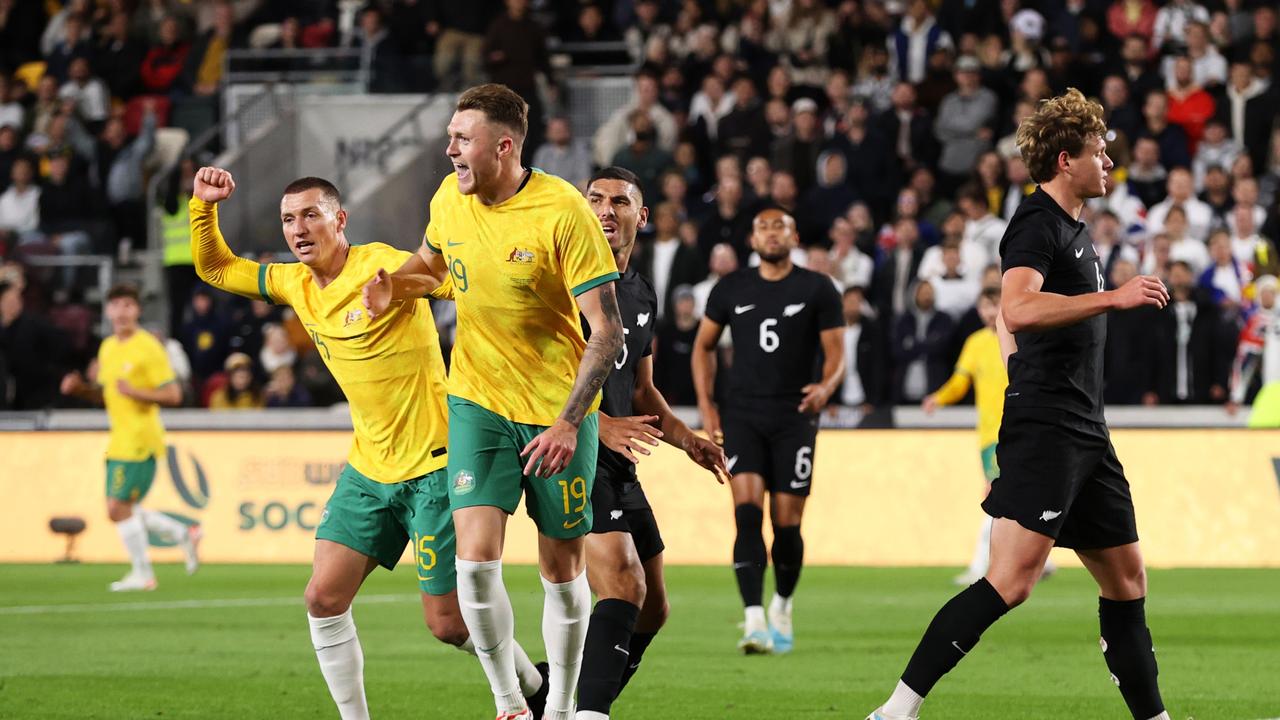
(232, 642)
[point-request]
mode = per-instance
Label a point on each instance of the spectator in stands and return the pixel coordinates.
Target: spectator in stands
(1109, 241)
(642, 155)
(563, 155)
(1190, 105)
(91, 98)
(1216, 149)
(830, 198)
(744, 131)
(20, 26)
(459, 29)
(981, 226)
(1183, 246)
(865, 379)
(1128, 352)
(801, 39)
(162, 66)
(1137, 70)
(241, 391)
(1147, 178)
(920, 337)
(645, 26)
(1175, 150)
(909, 127)
(759, 178)
(895, 275)
(1120, 114)
(276, 351)
(20, 205)
(284, 391)
(32, 351)
(730, 222)
(673, 351)
(1244, 193)
(849, 266)
(668, 261)
(47, 105)
(202, 69)
(797, 153)
(69, 211)
(873, 81)
(1188, 369)
(10, 150)
(1181, 193)
(595, 39)
(149, 16)
(1251, 354)
(1217, 194)
(955, 292)
(916, 38)
(974, 256)
(1225, 279)
(119, 168)
(248, 327)
(963, 123)
(515, 52)
(12, 112)
(1246, 106)
(724, 260)
(868, 160)
(1171, 24)
(1132, 18)
(1255, 251)
(174, 225)
(74, 43)
(117, 56)
(204, 336)
(612, 135)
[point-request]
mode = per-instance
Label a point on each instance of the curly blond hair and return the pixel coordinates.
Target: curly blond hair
(1062, 123)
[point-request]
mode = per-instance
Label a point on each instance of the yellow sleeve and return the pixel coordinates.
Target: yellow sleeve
(444, 291)
(954, 389)
(431, 235)
(217, 265)
(582, 248)
(159, 371)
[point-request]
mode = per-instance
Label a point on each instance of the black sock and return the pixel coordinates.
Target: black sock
(1127, 647)
(952, 634)
(788, 558)
(639, 643)
(603, 658)
(749, 558)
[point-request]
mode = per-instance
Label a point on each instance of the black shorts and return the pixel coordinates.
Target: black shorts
(778, 446)
(619, 505)
(1059, 476)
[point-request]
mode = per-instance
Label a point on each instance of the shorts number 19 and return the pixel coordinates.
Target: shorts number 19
(575, 490)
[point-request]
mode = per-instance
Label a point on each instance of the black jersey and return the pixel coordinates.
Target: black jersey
(1059, 368)
(776, 328)
(638, 306)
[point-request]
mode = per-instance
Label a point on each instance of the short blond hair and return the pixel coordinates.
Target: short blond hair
(501, 105)
(1063, 123)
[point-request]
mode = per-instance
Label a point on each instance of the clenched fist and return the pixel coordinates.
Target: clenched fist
(214, 184)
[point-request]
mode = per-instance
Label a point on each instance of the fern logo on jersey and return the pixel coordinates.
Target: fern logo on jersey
(192, 489)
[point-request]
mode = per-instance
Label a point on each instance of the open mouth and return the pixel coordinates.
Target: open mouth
(463, 171)
(610, 229)
(303, 247)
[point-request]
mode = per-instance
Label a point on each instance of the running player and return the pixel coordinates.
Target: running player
(624, 549)
(1060, 482)
(134, 380)
(982, 367)
(392, 489)
(525, 254)
(782, 319)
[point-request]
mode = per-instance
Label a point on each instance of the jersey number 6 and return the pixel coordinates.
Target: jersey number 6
(769, 340)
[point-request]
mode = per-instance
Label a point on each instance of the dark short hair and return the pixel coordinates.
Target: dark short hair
(614, 172)
(123, 290)
(328, 189)
(854, 289)
(1184, 265)
(500, 104)
(990, 293)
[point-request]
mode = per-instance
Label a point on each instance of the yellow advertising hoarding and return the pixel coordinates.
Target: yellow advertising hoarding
(1204, 497)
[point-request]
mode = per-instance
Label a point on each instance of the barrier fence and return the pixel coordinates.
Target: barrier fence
(1207, 497)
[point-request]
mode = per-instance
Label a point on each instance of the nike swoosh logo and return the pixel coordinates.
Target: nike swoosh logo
(797, 485)
(571, 525)
(1079, 252)
(730, 462)
(451, 243)
(957, 646)
(620, 649)
(739, 309)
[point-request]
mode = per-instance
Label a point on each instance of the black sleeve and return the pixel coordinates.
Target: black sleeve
(830, 306)
(1027, 244)
(718, 303)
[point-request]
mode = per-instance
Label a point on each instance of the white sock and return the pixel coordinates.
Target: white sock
(903, 703)
(341, 662)
(755, 621)
(590, 715)
(162, 525)
(982, 551)
(526, 671)
(565, 613)
(486, 609)
(134, 535)
(1162, 716)
(780, 614)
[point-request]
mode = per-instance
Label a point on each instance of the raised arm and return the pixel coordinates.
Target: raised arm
(215, 263)
(703, 364)
(1026, 308)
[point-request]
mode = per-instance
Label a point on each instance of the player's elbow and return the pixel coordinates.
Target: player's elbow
(1015, 317)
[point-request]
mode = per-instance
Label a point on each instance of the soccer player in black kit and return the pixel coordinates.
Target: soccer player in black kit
(782, 318)
(1060, 482)
(624, 549)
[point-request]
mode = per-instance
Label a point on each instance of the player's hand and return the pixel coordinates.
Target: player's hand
(930, 404)
(376, 294)
(711, 422)
(551, 451)
(213, 184)
(125, 389)
(1140, 291)
(816, 396)
(629, 435)
(72, 383)
(709, 455)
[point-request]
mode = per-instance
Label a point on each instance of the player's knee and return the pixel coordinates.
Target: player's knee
(447, 628)
(625, 582)
(655, 612)
(323, 603)
(119, 511)
(1134, 583)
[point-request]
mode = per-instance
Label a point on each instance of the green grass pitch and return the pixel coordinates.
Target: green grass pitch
(232, 642)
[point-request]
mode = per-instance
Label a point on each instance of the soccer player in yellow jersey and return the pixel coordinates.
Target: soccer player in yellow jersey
(392, 490)
(982, 366)
(525, 253)
(134, 380)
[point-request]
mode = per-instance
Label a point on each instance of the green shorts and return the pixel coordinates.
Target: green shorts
(990, 467)
(130, 480)
(485, 469)
(377, 519)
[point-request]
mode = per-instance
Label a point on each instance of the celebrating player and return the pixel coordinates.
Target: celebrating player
(524, 253)
(624, 549)
(1060, 481)
(981, 366)
(392, 489)
(781, 318)
(134, 380)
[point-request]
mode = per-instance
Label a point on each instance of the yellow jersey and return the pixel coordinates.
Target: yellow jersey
(980, 363)
(517, 268)
(390, 368)
(136, 430)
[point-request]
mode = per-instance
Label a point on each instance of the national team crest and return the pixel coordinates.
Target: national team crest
(464, 482)
(353, 316)
(519, 255)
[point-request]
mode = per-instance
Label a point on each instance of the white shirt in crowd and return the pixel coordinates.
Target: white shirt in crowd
(20, 211)
(986, 231)
(1199, 217)
(1191, 251)
(664, 253)
(973, 260)
(852, 392)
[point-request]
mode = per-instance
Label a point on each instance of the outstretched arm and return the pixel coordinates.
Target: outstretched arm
(215, 263)
(420, 275)
(1027, 308)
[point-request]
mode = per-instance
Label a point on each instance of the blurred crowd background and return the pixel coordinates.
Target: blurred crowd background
(884, 127)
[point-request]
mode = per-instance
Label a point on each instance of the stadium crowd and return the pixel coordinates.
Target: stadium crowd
(885, 127)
